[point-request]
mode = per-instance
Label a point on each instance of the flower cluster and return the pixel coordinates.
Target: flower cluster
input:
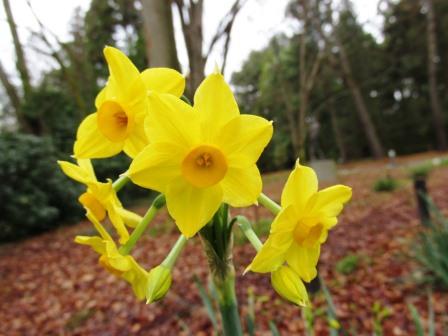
(198, 157)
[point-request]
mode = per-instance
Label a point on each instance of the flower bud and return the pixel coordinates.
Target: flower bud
(289, 286)
(159, 282)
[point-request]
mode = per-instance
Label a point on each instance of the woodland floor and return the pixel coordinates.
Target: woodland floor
(51, 286)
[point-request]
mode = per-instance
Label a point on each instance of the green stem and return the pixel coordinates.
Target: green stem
(228, 305)
(158, 202)
(249, 232)
(185, 99)
(171, 258)
(120, 182)
(269, 204)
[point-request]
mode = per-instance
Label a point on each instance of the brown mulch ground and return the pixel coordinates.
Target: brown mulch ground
(51, 286)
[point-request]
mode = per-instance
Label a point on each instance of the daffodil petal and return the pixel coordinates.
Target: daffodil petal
(303, 260)
(156, 166)
(108, 92)
(118, 223)
(136, 141)
(96, 243)
(243, 139)
(75, 172)
(289, 286)
(330, 201)
(285, 222)
(123, 73)
(86, 165)
(130, 218)
(91, 143)
(269, 258)
(164, 80)
(301, 185)
(192, 207)
(241, 186)
(115, 259)
(171, 120)
(138, 278)
(215, 103)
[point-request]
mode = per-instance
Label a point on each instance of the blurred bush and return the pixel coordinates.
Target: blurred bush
(421, 171)
(386, 184)
(35, 195)
(348, 264)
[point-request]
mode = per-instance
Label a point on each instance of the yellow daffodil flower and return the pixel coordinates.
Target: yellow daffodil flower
(201, 156)
(122, 107)
(100, 198)
(122, 266)
(289, 286)
(302, 225)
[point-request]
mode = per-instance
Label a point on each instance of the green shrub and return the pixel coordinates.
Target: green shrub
(421, 171)
(386, 184)
(348, 264)
(35, 195)
(432, 248)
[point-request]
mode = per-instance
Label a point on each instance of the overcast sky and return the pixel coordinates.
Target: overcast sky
(256, 23)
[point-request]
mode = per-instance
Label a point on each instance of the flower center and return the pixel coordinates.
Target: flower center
(113, 121)
(90, 202)
(204, 166)
(307, 235)
(105, 263)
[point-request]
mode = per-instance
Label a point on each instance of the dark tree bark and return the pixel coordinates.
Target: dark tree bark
(361, 108)
(436, 108)
(21, 63)
(338, 135)
(14, 99)
(190, 13)
(159, 34)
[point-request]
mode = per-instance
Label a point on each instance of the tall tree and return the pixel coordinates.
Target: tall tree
(159, 34)
(191, 13)
(309, 65)
(22, 67)
(13, 97)
(341, 61)
(433, 60)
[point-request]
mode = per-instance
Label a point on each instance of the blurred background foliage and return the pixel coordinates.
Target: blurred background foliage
(366, 96)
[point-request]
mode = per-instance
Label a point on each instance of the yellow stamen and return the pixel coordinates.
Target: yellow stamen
(204, 166)
(113, 121)
(90, 202)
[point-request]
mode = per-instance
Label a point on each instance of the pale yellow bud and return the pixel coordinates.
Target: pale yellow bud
(159, 282)
(289, 286)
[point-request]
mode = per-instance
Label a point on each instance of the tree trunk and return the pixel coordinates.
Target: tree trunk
(361, 108)
(21, 63)
(436, 108)
(192, 30)
(338, 137)
(14, 99)
(159, 34)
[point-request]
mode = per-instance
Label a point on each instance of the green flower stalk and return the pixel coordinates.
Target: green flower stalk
(269, 204)
(156, 205)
